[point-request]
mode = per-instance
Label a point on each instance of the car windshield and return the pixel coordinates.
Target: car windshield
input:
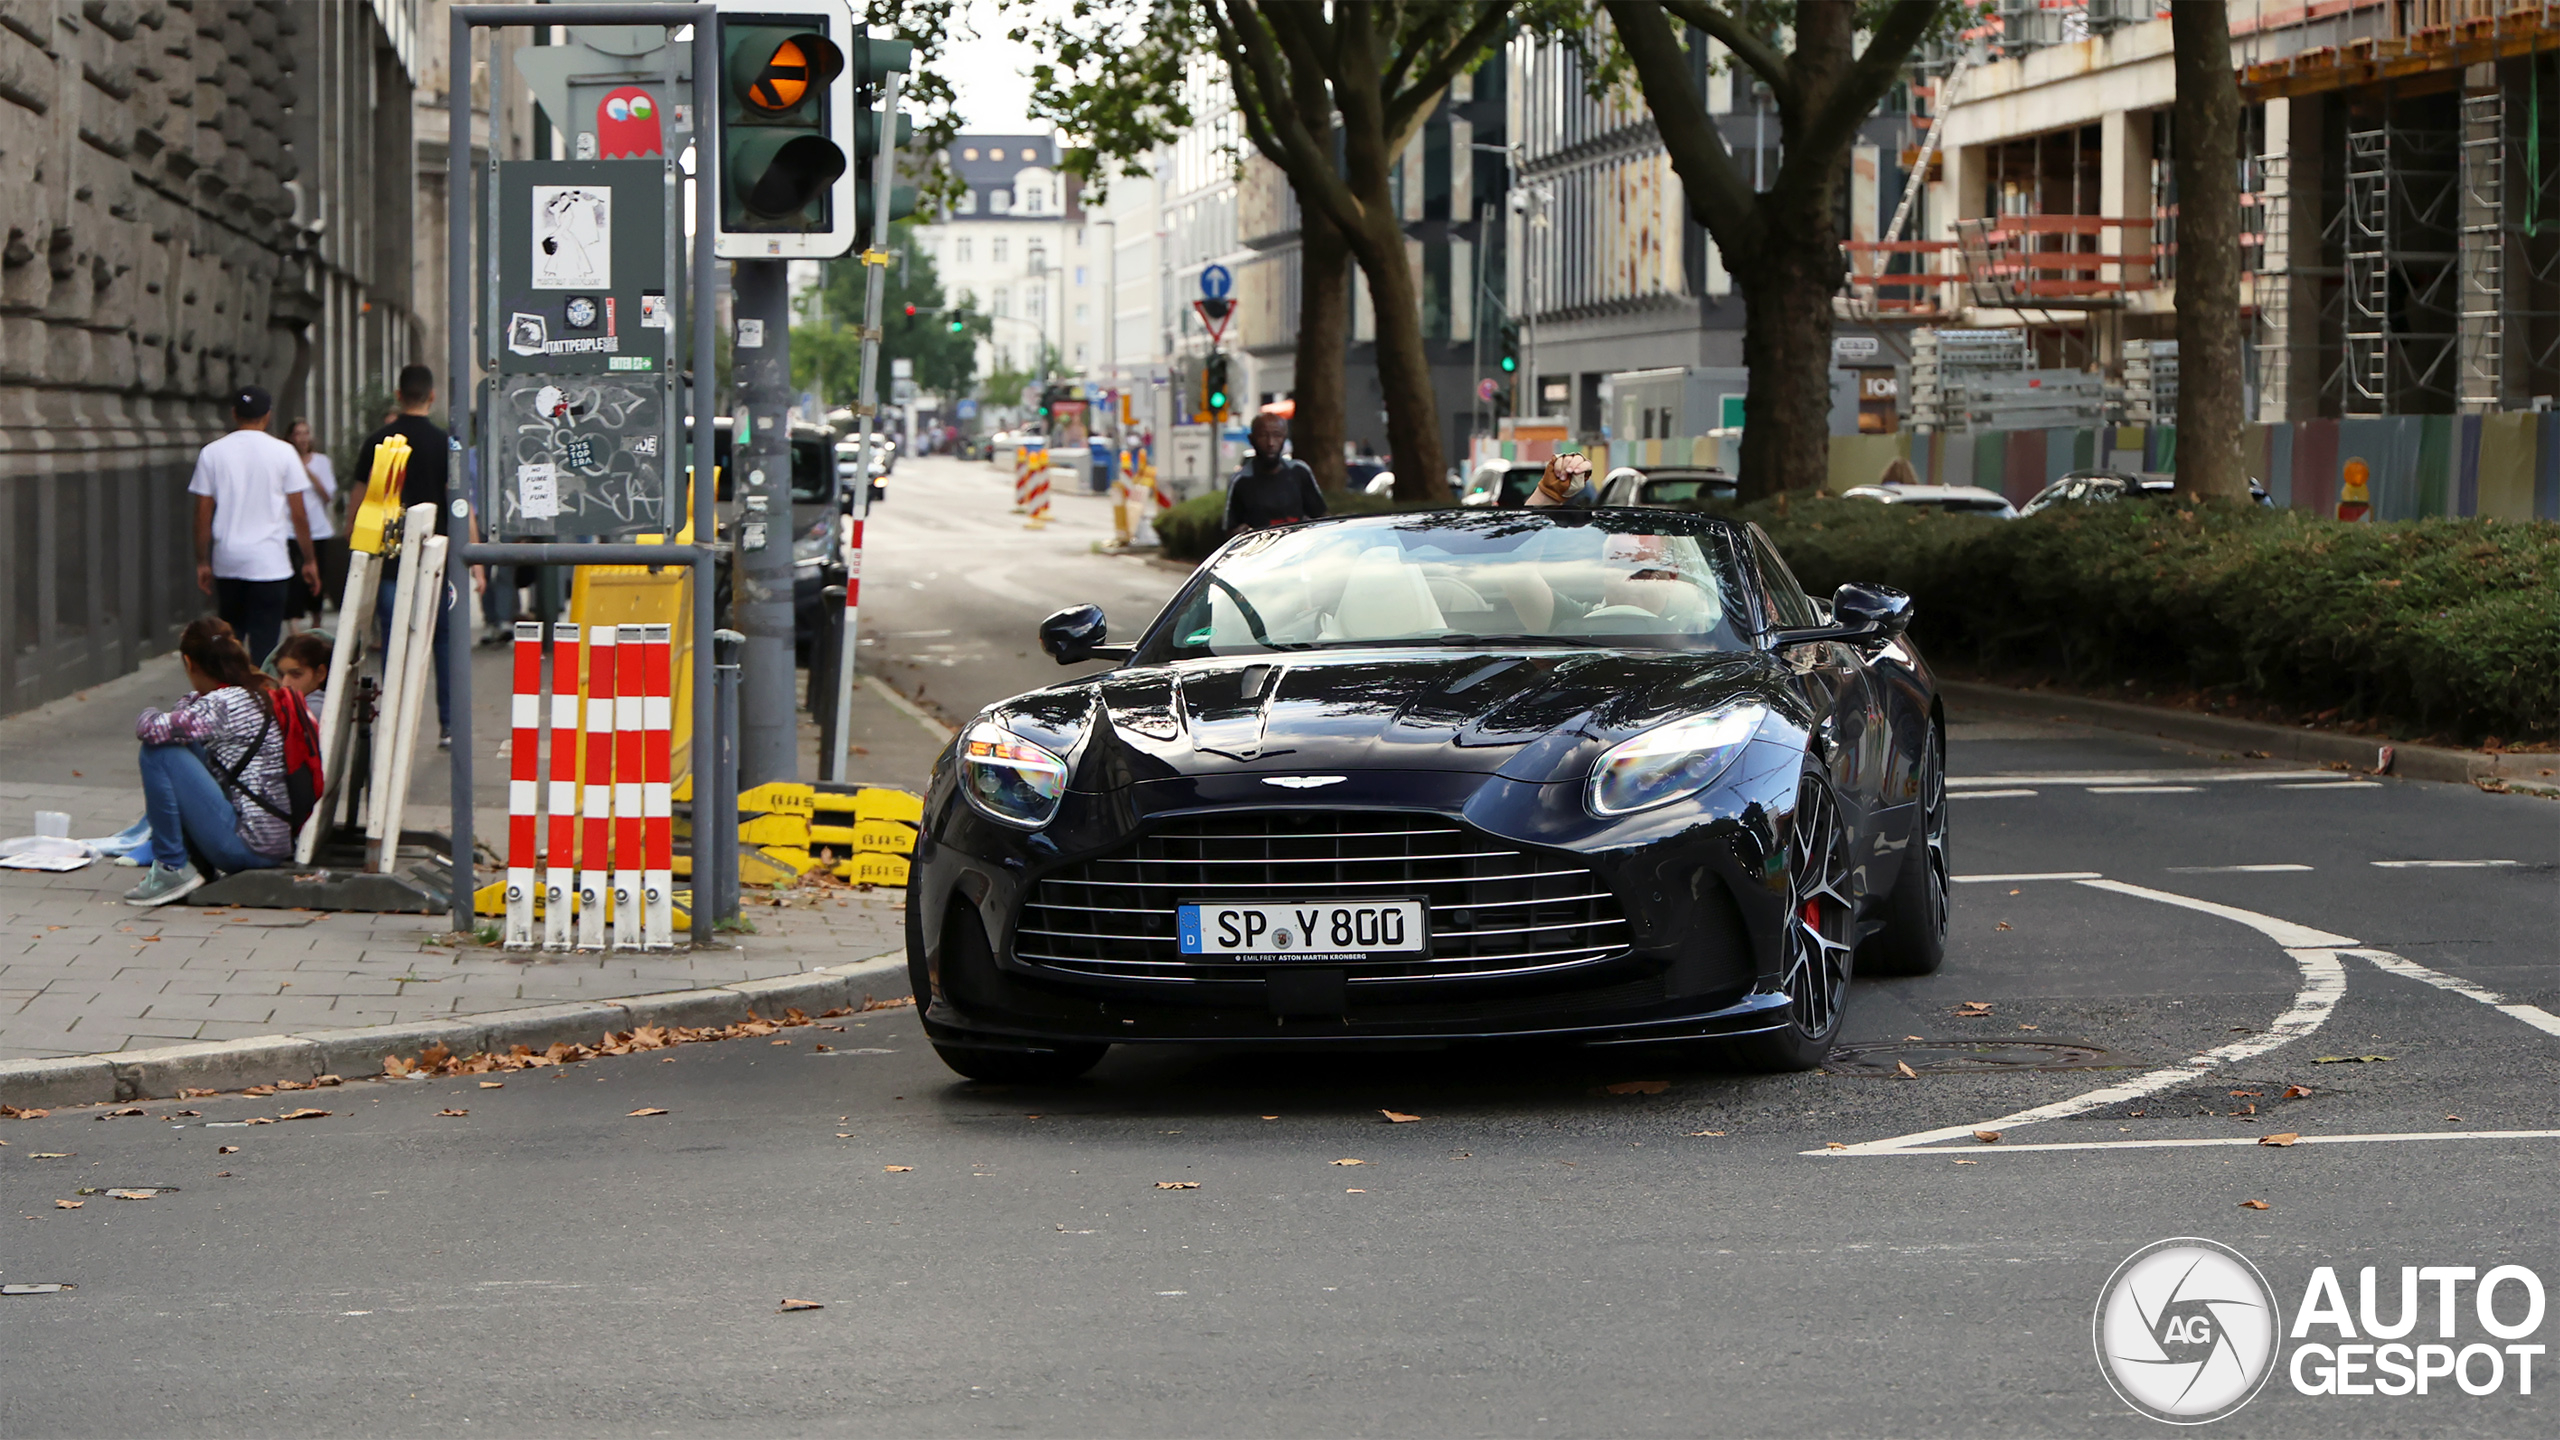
(1620, 579)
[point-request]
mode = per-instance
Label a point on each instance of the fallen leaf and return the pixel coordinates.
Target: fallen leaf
(2249, 1109)
(455, 1113)
(261, 1091)
(138, 1192)
(1971, 1008)
(789, 1305)
(823, 1049)
(174, 1113)
(647, 1110)
(191, 1093)
(226, 1149)
(12, 1112)
(1270, 1117)
(1910, 1037)
(1987, 1137)
(2024, 1026)
(69, 1204)
(1968, 1162)
(2456, 1119)
(2253, 1204)
(1638, 1087)
(844, 1134)
(2281, 1138)
(221, 1174)
(897, 1169)
(117, 1114)
(1903, 1069)
(395, 1067)
(1706, 1132)
(2297, 1092)
(1833, 1145)
(304, 1115)
(493, 1084)
(2003, 925)
(1350, 1162)
(259, 1120)
(320, 1080)
(1398, 1117)
(1177, 1184)
(1355, 1192)
(781, 1042)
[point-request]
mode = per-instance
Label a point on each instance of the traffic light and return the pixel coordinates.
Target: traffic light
(871, 62)
(785, 186)
(957, 323)
(1213, 384)
(911, 309)
(1510, 347)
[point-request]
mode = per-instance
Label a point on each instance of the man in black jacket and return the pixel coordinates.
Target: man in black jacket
(1271, 489)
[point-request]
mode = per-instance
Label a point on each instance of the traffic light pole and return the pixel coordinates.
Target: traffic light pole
(760, 564)
(875, 261)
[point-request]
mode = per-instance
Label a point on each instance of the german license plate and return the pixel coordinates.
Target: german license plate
(1320, 931)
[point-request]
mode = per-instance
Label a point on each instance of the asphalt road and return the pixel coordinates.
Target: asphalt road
(1537, 1254)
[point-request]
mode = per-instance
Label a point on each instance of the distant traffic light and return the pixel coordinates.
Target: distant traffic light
(957, 323)
(1510, 347)
(911, 309)
(1213, 384)
(783, 124)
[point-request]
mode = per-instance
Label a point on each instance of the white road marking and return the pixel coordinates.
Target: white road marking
(904, 706)
(2006, 879)
(1987, 794)
(2144, 789)
(2332, 785)
(2443, 864)
(2283, 932)
(2137, 777)
(2234, 869)
(2533, 1015)
(2214, 1140)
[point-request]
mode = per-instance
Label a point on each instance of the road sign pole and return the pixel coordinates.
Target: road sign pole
(875, 283)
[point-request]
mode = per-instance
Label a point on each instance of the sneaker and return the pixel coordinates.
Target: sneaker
(444, 742)
(164, 884)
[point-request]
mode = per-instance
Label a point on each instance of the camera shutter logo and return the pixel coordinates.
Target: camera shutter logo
(2186, 1331)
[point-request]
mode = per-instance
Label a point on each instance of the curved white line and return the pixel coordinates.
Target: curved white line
(2324, 982)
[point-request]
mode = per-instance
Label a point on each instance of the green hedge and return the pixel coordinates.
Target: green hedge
(2434, 626)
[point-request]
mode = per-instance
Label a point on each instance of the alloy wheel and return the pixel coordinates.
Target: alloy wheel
(1933, 823)
(1818, 912)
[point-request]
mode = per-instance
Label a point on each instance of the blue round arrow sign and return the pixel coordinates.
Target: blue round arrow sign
(1216, 281)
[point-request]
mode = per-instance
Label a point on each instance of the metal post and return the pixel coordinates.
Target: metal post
(760, 562)
(719, 840)
(457, 399)
(729, 645)
(875, 262)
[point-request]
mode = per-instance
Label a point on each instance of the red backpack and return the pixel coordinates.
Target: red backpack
(303, 783)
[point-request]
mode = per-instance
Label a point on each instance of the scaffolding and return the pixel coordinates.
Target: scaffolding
(2273, 288)
(2481, 347)
(2401, 290)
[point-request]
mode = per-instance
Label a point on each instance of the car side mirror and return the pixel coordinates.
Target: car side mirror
(1076, 634)
(1880, 610)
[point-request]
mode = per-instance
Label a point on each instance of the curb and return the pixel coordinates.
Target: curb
(161, 1072)
(2279, 742)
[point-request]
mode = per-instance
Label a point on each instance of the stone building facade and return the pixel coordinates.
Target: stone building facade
(197, 195)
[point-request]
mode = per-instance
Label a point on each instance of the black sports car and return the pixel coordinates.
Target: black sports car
(1606, 776)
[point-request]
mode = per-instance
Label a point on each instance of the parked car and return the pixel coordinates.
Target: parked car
(1427, 779)
(1666, 486)
(849, 458)
(814, 560)
(1953, 499)
(1382, 483)
(2105, 487)
(1502, 484)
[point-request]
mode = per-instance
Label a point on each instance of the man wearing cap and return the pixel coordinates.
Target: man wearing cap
(246, 484)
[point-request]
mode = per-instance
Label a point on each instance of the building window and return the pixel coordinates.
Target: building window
(960, 248)
(1079, 275)
(999, 201)
(1004, 300)
(968, 203)
(970, 153)
(1084, 313)
(1034, 199)
(996, 249)
(1036, 257)
(996, 154)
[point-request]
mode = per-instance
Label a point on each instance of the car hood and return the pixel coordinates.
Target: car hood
(1528, 715)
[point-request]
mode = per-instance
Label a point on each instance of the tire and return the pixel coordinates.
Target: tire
(919, 975)
(1054, 1065)
(1815, 960)
(1914, 938)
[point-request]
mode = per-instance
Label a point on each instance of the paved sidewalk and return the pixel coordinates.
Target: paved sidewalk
(82, 973)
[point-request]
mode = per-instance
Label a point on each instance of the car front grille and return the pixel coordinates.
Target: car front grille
(1495, 909)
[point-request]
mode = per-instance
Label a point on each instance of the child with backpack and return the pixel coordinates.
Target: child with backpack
(227, 775)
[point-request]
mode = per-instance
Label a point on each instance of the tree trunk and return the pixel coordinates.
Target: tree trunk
(1324, 335)
(1404, 365)
(2207, 166)
(1786, 343)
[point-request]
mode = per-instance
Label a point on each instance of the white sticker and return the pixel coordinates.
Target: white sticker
(526, 334)
(461, 508)
(655, 313)
(750, 334)
(586, 145)
(572, 237)
(538, 491)
(751, 535)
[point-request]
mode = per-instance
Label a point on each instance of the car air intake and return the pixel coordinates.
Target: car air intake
(1495, 909)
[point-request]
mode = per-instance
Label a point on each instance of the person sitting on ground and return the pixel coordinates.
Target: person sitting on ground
(302, 662)
(1272, 489)
(213, 779)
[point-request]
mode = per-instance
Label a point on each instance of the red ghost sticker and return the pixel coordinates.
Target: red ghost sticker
(627, 125)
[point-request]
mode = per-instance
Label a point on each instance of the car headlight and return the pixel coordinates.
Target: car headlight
(1670, 762)
(1010, 778)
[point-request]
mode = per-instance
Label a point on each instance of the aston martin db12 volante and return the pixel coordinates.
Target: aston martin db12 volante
(1607, 777)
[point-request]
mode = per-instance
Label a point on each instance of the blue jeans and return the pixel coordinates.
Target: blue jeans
(187, 808)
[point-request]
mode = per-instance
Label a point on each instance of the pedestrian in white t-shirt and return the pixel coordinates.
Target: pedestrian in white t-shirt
(245, 513)
(319, 506)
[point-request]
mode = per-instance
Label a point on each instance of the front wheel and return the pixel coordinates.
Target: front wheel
(1051, 1066)
(1815, 959)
